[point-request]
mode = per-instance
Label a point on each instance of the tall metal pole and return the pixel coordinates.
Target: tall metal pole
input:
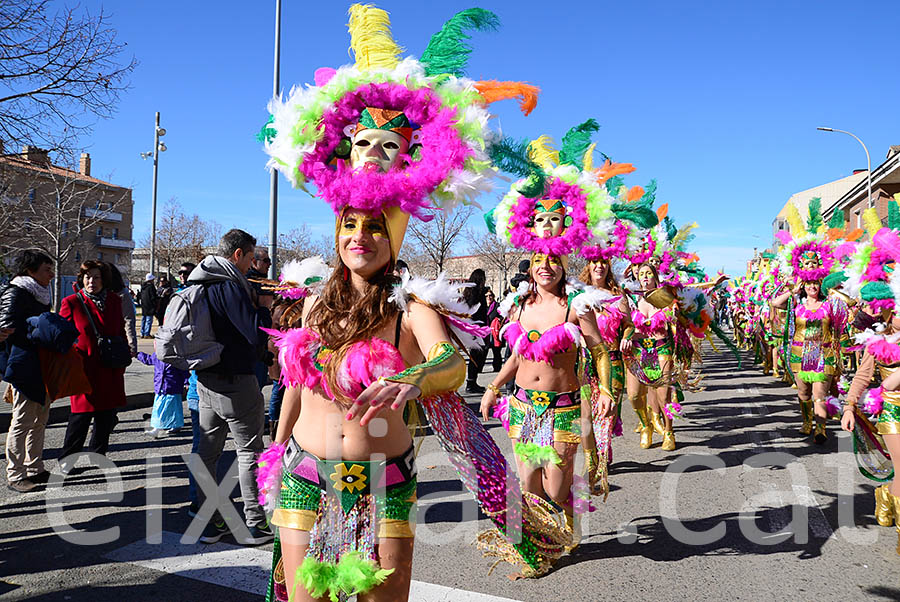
(273, 186)
(868, 161)
(153, 219)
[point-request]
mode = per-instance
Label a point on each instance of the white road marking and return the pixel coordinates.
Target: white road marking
(247, 569)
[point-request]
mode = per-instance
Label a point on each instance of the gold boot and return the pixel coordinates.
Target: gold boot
(806, 410)
(657, 422)
(646, 428)
(895, 502)
(668, 443)
(884, 506)
(821, 436)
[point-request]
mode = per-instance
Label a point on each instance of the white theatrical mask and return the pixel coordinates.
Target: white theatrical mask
(381, 148)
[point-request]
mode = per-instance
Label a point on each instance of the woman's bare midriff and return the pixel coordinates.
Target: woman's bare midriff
(337, 438)
(559, 378)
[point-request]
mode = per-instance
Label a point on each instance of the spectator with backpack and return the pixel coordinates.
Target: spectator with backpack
(230, 397)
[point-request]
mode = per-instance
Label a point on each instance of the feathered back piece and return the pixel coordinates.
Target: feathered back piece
(870, 273)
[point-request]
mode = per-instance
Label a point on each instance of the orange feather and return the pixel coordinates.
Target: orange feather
(610, 169)
(662, 211)
(855, 235)
(634, 193)
(492, 91)
(835, 233)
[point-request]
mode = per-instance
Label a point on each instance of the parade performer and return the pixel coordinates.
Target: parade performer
(871, 278)
(815, 320)
(383, 140)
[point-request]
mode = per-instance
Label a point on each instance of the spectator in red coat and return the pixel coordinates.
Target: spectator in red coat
(107, 384)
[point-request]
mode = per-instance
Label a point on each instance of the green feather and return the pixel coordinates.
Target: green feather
(814, 222)
(576, 142)
(671, 228)
(491, 221)
(642, 217)
(613, 184)
(511, 156)
(728, 342)
(536, 455)
(649, 194)
(893, 215)
(447, 51)
(832, 280)
(837, 220)
(267, 133)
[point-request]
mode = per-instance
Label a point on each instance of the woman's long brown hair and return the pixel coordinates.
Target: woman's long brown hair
(609, 282)
(341, 316)
(531, 295)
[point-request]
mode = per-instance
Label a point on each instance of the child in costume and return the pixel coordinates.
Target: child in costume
(555, 345)
(168, 385)
(816, 320)
(871, 278)
(383, 140)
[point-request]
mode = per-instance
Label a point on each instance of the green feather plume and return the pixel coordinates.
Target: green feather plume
(512, 156)
(491, 221)
(671, 228)
(576, 142)
(649, 194)
(614, 184)
(814, 221)
(893, 215)
(837, 220)
(639, 215)
(447, 51)
(267, 133)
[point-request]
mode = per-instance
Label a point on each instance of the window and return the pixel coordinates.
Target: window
(78, 256)
(100, 256)
(31, 195)
(858, 218)
(118, 258)
(100, 231)
(115, 233)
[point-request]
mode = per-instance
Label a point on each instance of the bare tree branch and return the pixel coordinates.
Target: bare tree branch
(59, 73)
(495, 253)
(434, 241)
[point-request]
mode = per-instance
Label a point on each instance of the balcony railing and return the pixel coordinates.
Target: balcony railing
(103, 214)
(115, 243)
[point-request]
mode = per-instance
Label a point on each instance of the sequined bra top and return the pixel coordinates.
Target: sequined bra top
(539, 346)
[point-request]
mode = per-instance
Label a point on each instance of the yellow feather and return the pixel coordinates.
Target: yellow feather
(541, 151)
(682, 234)
(589, 158)
(871, 221)
(798, 229)
(370, 38)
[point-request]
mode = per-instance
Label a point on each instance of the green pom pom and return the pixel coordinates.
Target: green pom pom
(536, 455)
(568, 221)
(357, 575)
(317, 577)
(343, 147)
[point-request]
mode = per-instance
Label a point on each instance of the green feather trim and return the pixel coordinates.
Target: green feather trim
(893, 215)
(511, 156)
(834, 279)
(576, 142)
(352, 575)
(447, 51)
(814, 222)
(491, 221)
(875, 290)
(837, 220)
(536, 455)
(812, 377)
(267, 133)
(642, 217)
(726, 341)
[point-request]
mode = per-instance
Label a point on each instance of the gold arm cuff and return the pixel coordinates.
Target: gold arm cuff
(603, 367)
(394, 528)
(494, 389)
(443, 371)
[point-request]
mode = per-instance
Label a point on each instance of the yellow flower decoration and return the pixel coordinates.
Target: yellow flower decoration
(540, 398)
(350, 480)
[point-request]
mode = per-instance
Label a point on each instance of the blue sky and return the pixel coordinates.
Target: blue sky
(718, 101)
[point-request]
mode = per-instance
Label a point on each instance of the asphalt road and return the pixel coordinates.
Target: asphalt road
(772, 516)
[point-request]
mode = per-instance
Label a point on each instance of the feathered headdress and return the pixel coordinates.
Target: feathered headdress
(870, 273)
(428, 102)
(564, 181)
(809, 249)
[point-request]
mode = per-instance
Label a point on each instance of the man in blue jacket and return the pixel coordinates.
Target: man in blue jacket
(230, 398)
(26, 296)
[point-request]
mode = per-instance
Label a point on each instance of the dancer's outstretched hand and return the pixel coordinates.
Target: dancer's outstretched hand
(606, 406)
(379, 396)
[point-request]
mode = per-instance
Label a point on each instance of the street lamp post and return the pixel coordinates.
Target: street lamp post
(868, 160)
(158, 147)
(273, 186)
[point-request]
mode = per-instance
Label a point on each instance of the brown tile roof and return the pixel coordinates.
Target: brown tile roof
(56, 170)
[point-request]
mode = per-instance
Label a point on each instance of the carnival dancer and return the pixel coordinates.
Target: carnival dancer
(555, 347)
(383, 140)
(871, 278)
(815, 320)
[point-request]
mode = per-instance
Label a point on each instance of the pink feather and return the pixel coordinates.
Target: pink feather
(873, 402)
(609, 319)
(889, 242)
(784, 237)
(297, 348)
(501, 411)
(323, 75)
(884, 352)
(366, 362)
(268, 475)
(832, 406)
(555, 340)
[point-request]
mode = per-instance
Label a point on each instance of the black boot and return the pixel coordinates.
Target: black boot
(473, 388)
